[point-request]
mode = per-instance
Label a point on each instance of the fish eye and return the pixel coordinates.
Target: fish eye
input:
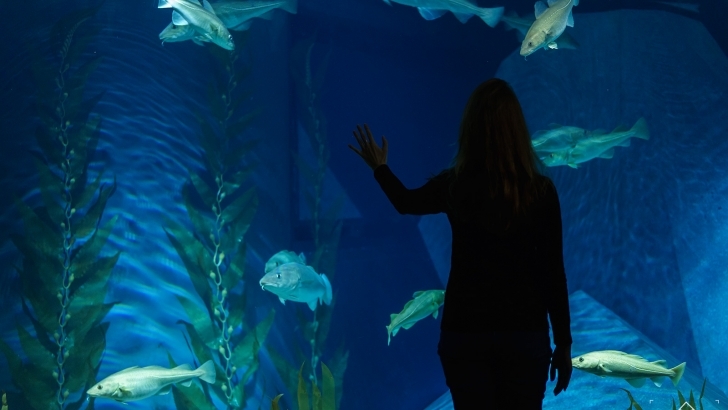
(530, 44)
(100, 387)
(279, 276)
(581, 359)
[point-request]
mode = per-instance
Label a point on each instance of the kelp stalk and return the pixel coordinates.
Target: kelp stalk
(63, 295)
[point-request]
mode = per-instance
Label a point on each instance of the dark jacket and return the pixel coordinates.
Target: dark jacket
(502, 276)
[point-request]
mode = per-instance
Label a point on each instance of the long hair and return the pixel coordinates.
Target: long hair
(495, 146)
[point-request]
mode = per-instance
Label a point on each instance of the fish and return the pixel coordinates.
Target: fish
(558, 137)
(462, 9)
(634, 369)
(596, 145)
(284, 257)
(235, 15)
(513, 21)
(551, 21)
(298, 283)
(202, 18)
(136, 383)
(423, 304)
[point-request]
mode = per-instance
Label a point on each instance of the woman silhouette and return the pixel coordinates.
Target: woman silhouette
(507, 274)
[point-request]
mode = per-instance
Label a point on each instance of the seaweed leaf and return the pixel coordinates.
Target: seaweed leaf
(236, 269)
(79, 368)
(203, 189)
(233, 182)
(328, 388)
(38, 386)
(303, 400)
(51, 188)
(317, 403)
(198, 345)
(338, 366)
(35, 352)
(192, 254)
(88, 193)
(45, 239)
(236, 308)
(84, 257)
(93, 278)
(88, 223)
(242, 210)
(246, 352)
(202, 225)
(274, 403)
(201, 321)
(40, 331)
(48, 144)
(234, 130)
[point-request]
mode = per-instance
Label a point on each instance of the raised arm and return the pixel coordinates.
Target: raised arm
(428, 199)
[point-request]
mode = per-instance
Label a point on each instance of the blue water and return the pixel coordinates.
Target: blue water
(645, 232)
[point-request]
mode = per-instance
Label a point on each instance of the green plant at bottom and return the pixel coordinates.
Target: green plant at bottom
(324, 399)
(691, 405)
(5, 402)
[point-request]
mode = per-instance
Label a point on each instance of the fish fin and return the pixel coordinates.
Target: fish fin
(207, 6)
(282, 300)
(576, 3)
(312, 304)
(126, 370)
(291, 6)
(178, 20)
(539, 8)
(185, 367)
(566, 41)
(661, 363)
(636, 382)
(389, 335)
(657, 381)
(604, 368)
(418, 293)
(242, 26)
(434, 315)
(570, 20)
(408, 325)
(552, 45)
(640, 129)
(165, 390)
(207, 372)
(328, 293)
(394, 332)
(608, 154)
(268, 15)
(198, 42)
(392, 317)
(491, 16)
(164, 4)
(462, 17)
(573, 165)
(679, 370)
(430, 14)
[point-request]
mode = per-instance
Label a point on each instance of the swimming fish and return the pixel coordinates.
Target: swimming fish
(462, 9)
(298, 283)
(513, 21)
(551, 21)
(284, 257)
(560, 137)
(203, 20)
(136, 383)
(235, 15)
(594, 145)
(632, 368)
(425, 303)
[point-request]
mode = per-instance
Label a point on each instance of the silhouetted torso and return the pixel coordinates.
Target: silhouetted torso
(500, 279)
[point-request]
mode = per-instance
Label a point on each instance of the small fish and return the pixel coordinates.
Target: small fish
(425, 303)
(596, 145)
(298, 283)
(235, 15)
(202, 18)
(284, 257)
(559, 137)
(551, 21)
(514, 22)
(136, 383)
(462, 9)
(632, 368)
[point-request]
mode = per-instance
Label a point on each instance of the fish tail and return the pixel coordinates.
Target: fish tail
(389, 335)
(679, 370)
(207, 371)
(640, 129)
(328, 294)
(165, 4)
(576, 3)
(290, 6)
(491, 16)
